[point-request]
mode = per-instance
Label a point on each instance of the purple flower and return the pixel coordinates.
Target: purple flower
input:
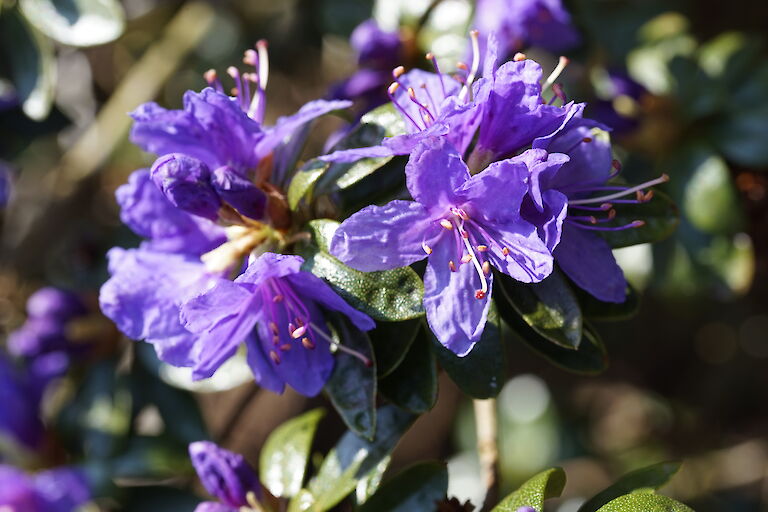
(57, 490)
(6, 180)
(214, 130)
(519, 23)
(526, 509)
(276, 309)
(464, 224)
(224, 474)
(144, 295)
(564, 200)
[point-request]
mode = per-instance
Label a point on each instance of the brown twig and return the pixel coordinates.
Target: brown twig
(487, 449)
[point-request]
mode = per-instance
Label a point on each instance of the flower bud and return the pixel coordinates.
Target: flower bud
(185, 181)
(224, 474)
(239, 192)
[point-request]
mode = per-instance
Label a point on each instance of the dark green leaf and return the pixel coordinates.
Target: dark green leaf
(391, 295)
(32, 64)
(646, 502)
(659, 214)
(595, 309)
(413, 385)
(370, 483)
(549, 307)
(419, 487)
(351, 460)
(303, 182)
(352, 385)
(545, 485)
(645, 479)
(150, 458)
(391, 341)
(160, 499)
(480, 374)
(283, 458)
(76, 22)
(741, 136)
(590, 358)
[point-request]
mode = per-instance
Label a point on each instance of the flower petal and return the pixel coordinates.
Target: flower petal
(528, 259)
(384, 237)
(455, 316)
(548, 220)
(587, 259)
(434, 172)
(496, 193)
(270, 265)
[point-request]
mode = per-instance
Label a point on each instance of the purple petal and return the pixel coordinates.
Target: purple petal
(62, 489)
(149, 214)
(270, 265)
(567, 115)
(223, 316)
(434, 172)
(186, 183)
(17, 491)
(455, 316)
(590, 162)
(313, 288)
(548, 220)
(346, 156)
(239, 192)
(54, 303)
(496, 193)
(375, 48)
(146, 289)
(542, 167)
(587, 259)
(285, 126)
(384, 237)
(263, 368)
(428, 88)
(213, 506)
(528, 260)
(223, 473)
(178, 349)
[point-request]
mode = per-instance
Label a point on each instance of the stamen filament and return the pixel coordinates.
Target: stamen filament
(478, 267)
(338, 346)
(562, 63)
(661, 179)
(467, 89)
(431, 57)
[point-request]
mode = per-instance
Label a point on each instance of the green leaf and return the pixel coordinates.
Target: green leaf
(545, 485)
(595, 309)
(32, 64)
(352, 459)
(480, 374)
(646, 502)
(659, 214)
(550, 308)
(740, 136)
(419, 487)
(283, 459)
(150, 458)
(391, 341)
(76, 22)
(304, 180)
(352, 385)
(390, 295)
(645, 479)
(413, 385)
(388, 118)
(710, 200)
(369, 484)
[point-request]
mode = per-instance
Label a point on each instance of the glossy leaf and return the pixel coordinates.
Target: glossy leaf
(659, 214)
(150, 457)
(283, 458)
(646, 502)
(351, 460)
(32, 64)
(545, 485)
(710, 200)
(419, 487)
(741, 136)
(76, 22)
(645, 479)
(391, 295)
(480, 374)
(550, 307)
(303, 182)
(388, 118)
(369, 484)
(391, 341)
(413, 385)
(352, 385)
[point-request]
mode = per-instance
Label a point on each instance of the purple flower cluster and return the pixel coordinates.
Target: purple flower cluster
(210, 208)
(532, 192)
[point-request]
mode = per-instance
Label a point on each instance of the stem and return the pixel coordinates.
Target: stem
(487, 449)
(237, 414)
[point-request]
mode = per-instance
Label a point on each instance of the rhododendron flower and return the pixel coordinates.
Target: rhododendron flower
(225, 475)
(464, 225)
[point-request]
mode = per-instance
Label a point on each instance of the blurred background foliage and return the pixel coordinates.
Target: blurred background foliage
(683, 82)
